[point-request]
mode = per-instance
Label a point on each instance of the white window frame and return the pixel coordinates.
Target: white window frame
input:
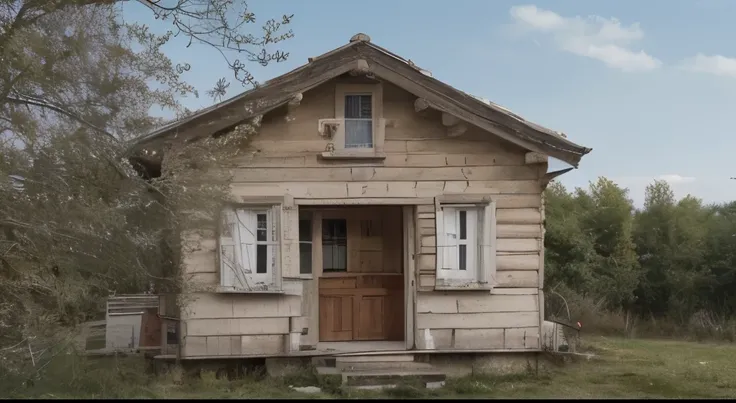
(235, 274)
(478, 276)
(311, 219)
(338, 138)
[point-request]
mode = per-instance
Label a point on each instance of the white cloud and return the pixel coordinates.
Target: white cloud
(717, 65)
(595, 37)
(674, 179)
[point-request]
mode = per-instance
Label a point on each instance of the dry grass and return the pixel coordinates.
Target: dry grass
(626, 368)
(630, 368)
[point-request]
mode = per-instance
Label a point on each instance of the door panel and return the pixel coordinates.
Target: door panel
(370, 313)
(336, 317)
(377, 304)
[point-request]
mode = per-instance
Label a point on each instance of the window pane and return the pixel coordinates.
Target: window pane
(334, 245)
(463, 255)
(358, 107)
(358, 133)
(305, 230)
(305, 258)
(358, 121)
(334, 228)
(305, 243)
(261, 258)
(463, 225)
(261, 228)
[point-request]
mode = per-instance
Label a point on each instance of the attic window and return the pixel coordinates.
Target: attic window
(358, 121)
(358, 126)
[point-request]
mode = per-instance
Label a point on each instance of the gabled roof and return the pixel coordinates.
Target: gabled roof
(358, 54)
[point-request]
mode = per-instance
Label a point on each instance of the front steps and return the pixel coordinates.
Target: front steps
(378, 370)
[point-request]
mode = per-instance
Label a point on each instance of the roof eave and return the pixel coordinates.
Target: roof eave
(333, 63)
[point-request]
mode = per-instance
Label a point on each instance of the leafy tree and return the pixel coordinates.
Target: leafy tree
(672, 260)
(656, 244)
(609, 224)
(720, 261)
(77, 221)
(569, 251)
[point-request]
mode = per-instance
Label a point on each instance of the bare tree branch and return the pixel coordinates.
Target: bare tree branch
(28, 100)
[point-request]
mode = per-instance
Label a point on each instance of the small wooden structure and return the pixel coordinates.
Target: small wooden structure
(131, 322)
(378, 211)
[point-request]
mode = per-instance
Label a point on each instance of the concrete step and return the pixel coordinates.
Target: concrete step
(378, 365)
(389, 377)
(390, 357)
(428, 385)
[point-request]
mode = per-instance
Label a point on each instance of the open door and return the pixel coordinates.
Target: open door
(361, 288)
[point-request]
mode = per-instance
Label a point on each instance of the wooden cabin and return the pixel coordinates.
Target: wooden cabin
(378, 209)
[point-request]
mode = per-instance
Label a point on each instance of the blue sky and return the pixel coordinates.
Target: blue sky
(649, 85)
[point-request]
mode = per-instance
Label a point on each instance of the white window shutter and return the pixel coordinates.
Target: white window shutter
(229, 254)
(487, 245)
(247, 225)
(473, 234)
(241, 243)
(282, 226)
(451, 234)
(439, 219)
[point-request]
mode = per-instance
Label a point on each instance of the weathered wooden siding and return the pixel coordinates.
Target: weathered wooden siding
(223, 324)
(421, 162)
(508, 318)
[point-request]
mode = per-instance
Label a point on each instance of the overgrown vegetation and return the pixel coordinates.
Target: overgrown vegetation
(668, 269)
(624, 368)
(77, 220)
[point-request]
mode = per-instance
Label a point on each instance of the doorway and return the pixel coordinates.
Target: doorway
(361, 283)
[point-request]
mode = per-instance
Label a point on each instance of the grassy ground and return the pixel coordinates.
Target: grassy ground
(626, 368)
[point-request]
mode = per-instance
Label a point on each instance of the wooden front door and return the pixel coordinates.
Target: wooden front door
(361, 290)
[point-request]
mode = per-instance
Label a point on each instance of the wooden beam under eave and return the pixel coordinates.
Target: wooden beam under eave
(456, 130)
(295, 101)
(449, 120)
(535, 158)
(455, 126)
(421, 105)
(292, 105)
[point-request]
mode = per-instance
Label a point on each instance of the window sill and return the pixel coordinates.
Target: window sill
(461, 285)
(232, 290)
(352, 155)
(344, 274)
